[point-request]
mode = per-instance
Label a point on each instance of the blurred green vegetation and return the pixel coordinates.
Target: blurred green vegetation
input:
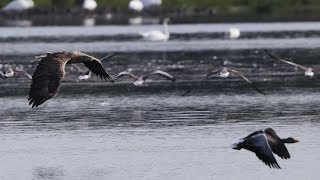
(260, 6)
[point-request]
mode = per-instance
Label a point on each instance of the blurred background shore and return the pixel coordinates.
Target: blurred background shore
(70, 12)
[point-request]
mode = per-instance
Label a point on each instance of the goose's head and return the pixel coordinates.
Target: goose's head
(289, 140)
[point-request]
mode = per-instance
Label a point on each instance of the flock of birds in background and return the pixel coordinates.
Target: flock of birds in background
(50, 72)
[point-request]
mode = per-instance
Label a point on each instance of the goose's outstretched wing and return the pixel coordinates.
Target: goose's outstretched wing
(46, 80)
(238, 73)
(285, 61)
(126, 74)
(160, 73)
(259, 145)
(276, 145)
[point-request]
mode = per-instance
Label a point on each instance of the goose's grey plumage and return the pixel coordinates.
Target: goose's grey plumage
(264, 143)
(139, 80)
(308, 71)
(51, 70)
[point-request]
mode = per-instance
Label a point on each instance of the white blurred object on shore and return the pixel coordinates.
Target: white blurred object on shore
(19, 5)
(90, 5)
(136, 5)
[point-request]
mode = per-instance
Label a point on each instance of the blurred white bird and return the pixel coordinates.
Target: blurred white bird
(85, 76)
(89, 21)
(234, 33)
(14, 72)
(19, 5)
(156, 35)
(90, 5)
(140, 80)
(136, 5)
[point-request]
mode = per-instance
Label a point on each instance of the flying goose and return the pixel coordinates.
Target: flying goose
(264, 143)
(224, 73)
(139, 80)
(51, 70)
(156, 35)
(308, 71)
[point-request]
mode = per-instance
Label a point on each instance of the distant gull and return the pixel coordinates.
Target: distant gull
(139, 80)
(50, 72)
(308, 71)
(264, 143)
(156, 35)
(15, 72)
(89, 5)
(19, 5)
(85, 76)
(148, 3)
(226, 72)
(136, 5)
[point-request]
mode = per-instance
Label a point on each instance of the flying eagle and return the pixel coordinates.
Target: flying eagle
(51, 70)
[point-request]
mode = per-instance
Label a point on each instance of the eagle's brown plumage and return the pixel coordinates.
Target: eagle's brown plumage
(51, 70)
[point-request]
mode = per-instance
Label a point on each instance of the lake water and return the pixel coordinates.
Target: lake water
(97, 130)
